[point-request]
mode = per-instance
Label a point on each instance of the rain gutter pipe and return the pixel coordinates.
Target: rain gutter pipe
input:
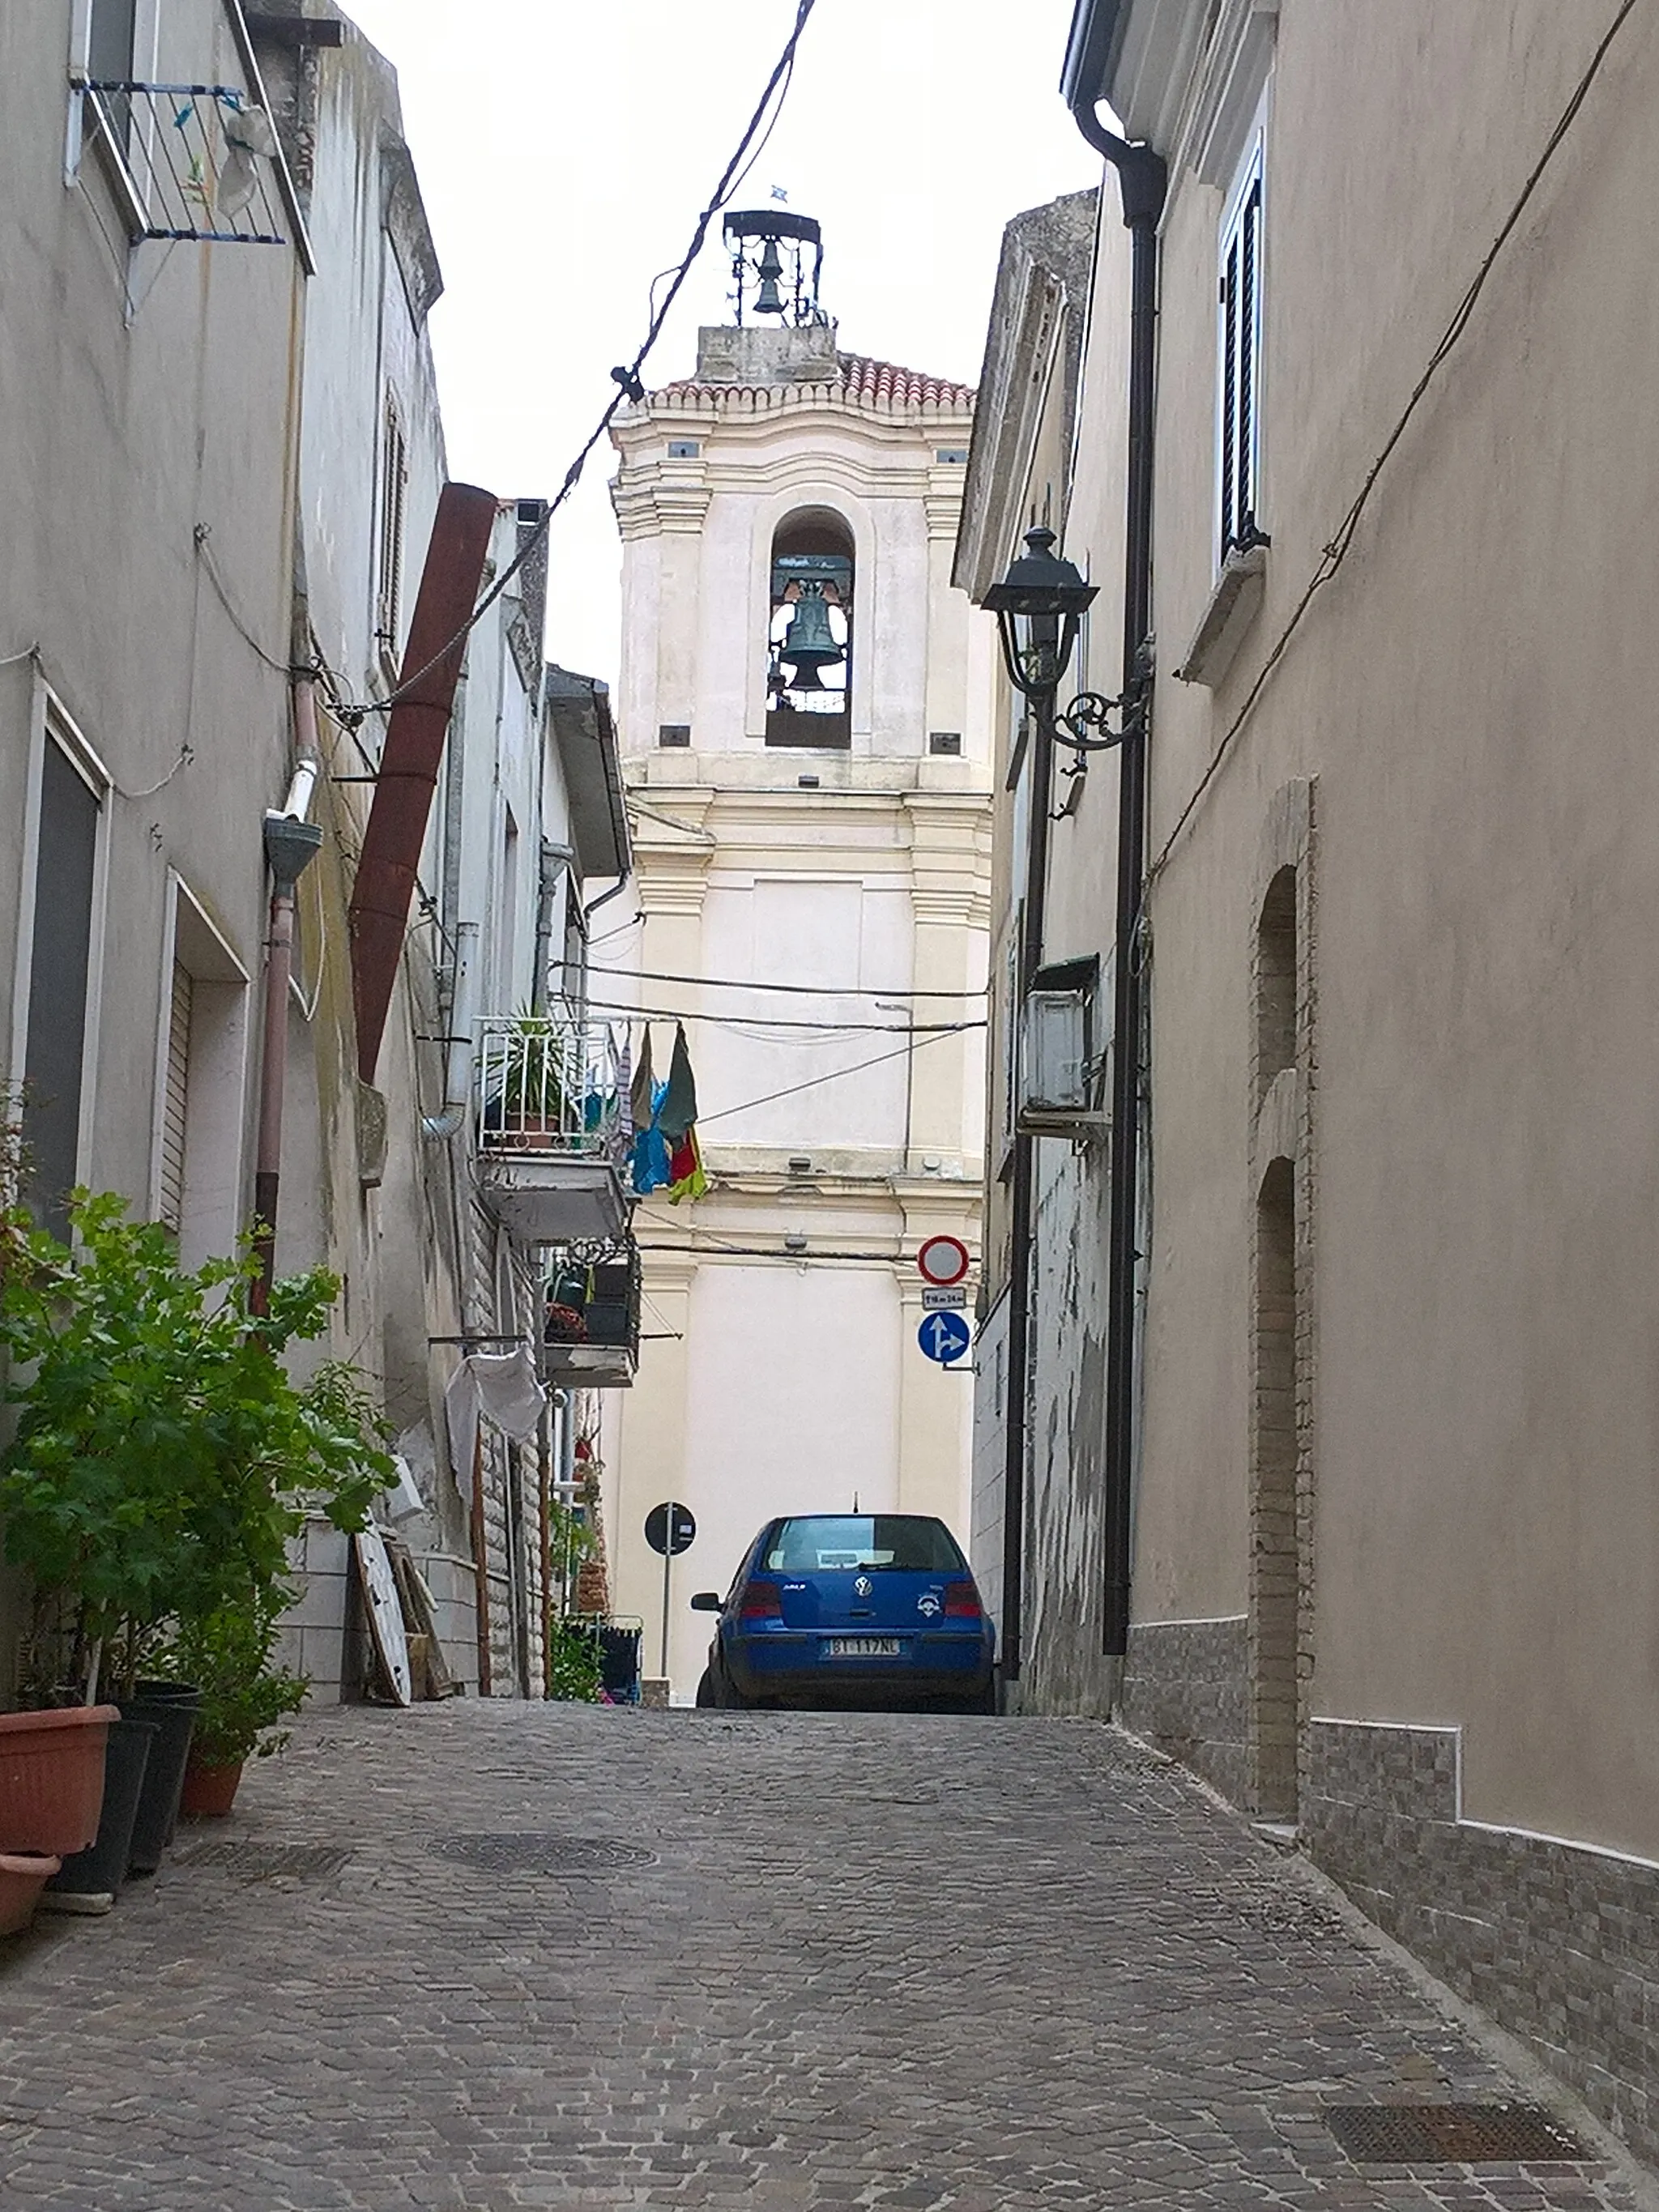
(460, 1037)
(555, 863)
(1143, 181)
(290, 843)
(1021, 1195)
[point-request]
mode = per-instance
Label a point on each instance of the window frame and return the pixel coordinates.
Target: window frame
(1239, 353)
(51, 724)
(216, 1077)
(391, 515)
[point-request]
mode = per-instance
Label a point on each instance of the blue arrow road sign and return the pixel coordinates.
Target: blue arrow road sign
(944, 1337)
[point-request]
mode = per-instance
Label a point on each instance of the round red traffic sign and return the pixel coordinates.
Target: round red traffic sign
(942, 1261)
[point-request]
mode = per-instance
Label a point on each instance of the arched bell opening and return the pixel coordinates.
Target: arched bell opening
(809, 670)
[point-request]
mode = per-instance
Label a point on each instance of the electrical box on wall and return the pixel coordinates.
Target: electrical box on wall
(1060, 1084)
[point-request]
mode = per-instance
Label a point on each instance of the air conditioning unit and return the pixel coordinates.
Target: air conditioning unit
(1061, 1075)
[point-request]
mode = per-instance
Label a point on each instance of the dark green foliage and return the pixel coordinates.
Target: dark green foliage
(162, 1453)
(574, 1667)
(228, 1657)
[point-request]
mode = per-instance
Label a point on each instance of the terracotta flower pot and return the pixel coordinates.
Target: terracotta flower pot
(23, 1875)
(209, 1791)
(52, 1778)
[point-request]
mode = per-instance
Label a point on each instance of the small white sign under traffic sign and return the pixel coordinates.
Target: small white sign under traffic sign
(936, 1299)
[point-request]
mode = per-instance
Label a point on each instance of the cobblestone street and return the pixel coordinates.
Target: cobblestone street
(564, 1956)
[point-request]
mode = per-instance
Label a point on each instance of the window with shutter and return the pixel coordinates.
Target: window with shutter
(61, 968)
(171, 1202)
(394, 476)
(1239, 367)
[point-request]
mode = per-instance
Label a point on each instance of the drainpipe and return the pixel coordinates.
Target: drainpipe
(291, 844)
(1022, 1207)
(462, 1022)
(1143, 180)
(556, 862)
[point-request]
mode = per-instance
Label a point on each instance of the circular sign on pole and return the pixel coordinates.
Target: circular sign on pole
(944, 1337)
(670, 1530)
(942, 1261)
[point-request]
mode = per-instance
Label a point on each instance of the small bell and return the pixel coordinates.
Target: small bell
(808, 644)
(769, 301)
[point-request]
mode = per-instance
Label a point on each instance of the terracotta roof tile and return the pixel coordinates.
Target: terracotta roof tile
(869, 383)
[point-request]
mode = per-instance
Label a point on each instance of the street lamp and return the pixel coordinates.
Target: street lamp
(1039, 606)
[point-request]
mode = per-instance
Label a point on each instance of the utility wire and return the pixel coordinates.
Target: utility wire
(797, 990)
(830, 1075)
(203, 535)
(1336, 552)
(626, 380)
(617, 1006)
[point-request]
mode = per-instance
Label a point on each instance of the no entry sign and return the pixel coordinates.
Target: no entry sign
(942, 1261)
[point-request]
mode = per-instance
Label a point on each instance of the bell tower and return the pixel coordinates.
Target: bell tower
(804, 720)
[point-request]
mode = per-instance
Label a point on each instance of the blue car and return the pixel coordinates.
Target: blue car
(867, 1609)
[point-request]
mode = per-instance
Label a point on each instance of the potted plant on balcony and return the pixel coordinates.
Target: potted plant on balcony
(525, 1100)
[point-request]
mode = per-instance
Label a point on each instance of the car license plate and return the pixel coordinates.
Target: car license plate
(861, 1647)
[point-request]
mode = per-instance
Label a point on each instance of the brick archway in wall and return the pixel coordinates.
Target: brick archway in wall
(1280, 1620)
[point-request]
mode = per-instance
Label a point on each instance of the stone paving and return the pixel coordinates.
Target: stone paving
(930, 1965)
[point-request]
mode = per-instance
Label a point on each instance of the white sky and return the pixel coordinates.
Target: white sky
(565, 151)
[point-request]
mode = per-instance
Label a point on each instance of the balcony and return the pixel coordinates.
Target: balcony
(551, 1134)
(592, 1335)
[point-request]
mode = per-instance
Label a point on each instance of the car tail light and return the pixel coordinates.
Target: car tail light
(962, 1601)
(762, 1602)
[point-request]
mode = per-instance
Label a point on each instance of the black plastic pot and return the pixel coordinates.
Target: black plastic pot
(172, 1707)
(99, 1871)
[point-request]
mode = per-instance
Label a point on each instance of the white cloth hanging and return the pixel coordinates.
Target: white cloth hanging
(503, 1386)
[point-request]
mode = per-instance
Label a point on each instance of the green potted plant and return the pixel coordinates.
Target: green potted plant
(245, 1696)
(525, 1072)
(160, 1453)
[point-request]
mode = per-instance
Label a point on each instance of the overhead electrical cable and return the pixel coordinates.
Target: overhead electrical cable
(1336, 551)
(626, 377)
(829, 1075)
(616, 1008)
(799, 990)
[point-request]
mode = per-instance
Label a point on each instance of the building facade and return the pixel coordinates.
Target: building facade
(229, 478)
(811, 845)
(1394, 1554)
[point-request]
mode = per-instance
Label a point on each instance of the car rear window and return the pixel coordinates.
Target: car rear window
(910, 1543)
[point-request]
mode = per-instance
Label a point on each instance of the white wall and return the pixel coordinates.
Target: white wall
(792, 1404)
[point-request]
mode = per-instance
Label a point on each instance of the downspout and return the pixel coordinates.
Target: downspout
(556, 865)
(291, 843)
(1143, 180)
(1022, 1208)
(463, 1022)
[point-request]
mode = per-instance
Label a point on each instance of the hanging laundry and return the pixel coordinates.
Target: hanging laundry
(666, 1155)
(686, 1177)
(649, 1151)
(676, 1118)
(679, 1109)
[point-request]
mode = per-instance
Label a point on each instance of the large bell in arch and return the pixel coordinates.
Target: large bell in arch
(769, 301)
(808, 644)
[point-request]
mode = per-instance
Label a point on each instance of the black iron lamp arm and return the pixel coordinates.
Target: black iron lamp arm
(1092, 712)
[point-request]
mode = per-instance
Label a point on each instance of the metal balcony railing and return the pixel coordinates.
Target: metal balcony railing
(593, 1310)
(189, 160)
(550, 1083)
